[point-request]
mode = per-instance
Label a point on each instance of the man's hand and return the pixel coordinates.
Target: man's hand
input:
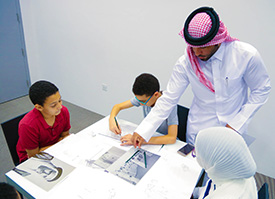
(137, 140)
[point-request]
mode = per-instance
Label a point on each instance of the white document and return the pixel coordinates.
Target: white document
(133, 165)
(44, 170)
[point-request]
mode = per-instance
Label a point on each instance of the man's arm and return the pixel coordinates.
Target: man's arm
(258, 81)
(115, 110)
(176, 86)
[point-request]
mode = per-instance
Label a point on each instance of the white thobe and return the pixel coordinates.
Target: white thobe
(235, 67)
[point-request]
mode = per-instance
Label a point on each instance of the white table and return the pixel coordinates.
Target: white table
(172, 176)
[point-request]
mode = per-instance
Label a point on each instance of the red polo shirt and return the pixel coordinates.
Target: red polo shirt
(35, 132)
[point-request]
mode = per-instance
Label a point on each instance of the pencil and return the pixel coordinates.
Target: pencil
(145, 159)
(132, 156)
(116, 123)
(161, 147)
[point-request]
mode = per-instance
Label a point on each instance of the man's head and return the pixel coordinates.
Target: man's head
(203, 32)
(203, 28)
(146, 89)
(204, 53)
(46, 98)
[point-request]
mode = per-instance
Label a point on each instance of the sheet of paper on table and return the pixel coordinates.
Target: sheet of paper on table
(102, 128)
(95, 184)
(44, 170)
(130, 166)
(159, 183)
(84, 148)
(80, 150)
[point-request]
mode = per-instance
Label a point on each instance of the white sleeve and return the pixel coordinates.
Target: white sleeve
(258, 81)
(176, 86)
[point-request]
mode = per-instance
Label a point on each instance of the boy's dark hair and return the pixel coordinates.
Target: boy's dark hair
(40, 90)
(145, 84)
(7, 191)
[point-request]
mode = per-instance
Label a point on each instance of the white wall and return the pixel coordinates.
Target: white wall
(81, 44)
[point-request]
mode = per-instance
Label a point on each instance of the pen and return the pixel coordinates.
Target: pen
(145, 159)
(116, 123)
(132, 156)
(161, 147)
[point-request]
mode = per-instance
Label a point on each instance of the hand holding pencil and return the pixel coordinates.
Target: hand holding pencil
(114, 126)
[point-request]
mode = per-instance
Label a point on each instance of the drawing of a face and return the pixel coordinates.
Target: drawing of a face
(48, 173)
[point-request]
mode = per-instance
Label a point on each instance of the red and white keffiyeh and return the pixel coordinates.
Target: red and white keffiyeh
(198, 27)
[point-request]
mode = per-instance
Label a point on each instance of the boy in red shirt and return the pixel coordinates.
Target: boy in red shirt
(46, 124)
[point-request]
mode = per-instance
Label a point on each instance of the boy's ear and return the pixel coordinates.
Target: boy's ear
(38, 107)
(156, 93)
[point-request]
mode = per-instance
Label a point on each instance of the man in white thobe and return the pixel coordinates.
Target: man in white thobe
(221, 70)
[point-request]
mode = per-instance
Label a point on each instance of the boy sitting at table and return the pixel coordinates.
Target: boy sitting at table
(46, 124)
(146, 89)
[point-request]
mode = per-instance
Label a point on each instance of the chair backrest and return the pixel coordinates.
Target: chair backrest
(10, 130)
(182, 116)
(263, 192)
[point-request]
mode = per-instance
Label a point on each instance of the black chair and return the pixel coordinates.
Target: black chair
(263, 192)
(10, 130)
(182, 116)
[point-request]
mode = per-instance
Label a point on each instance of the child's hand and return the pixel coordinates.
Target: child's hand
(113, 127)
(126, 140)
